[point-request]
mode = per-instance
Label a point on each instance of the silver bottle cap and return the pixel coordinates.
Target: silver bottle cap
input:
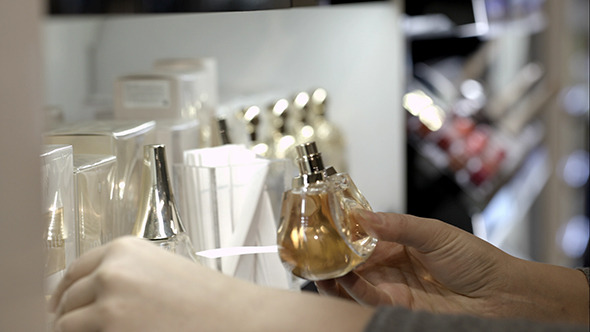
(158, 217)
(311, 166)
(309, 159)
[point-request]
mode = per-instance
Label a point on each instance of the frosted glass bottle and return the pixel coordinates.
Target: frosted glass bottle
(158, 220)
(318, 237)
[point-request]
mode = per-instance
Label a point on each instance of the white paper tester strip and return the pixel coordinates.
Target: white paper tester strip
(236, 251)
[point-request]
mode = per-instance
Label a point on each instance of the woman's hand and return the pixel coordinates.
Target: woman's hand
(430, 265)
(133, 285)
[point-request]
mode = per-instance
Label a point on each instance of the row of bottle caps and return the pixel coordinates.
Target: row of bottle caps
(272, 128)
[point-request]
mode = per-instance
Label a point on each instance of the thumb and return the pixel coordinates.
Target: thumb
(420, 233)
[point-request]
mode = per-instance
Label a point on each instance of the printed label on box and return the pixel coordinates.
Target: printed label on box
(146, 94)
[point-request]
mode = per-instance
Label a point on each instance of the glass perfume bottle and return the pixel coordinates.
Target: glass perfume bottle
(280, 143)
(158, 219)
(327, 135)
(223, 131)
(251, 117)
(318, 237)
(301, 127)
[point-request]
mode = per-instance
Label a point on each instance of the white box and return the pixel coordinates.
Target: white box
(58, 212)
(125, 141)
(157, 95)
(206, 90)
(94, 179)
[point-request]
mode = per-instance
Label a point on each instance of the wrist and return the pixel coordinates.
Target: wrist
(549, 293)
(301, 311)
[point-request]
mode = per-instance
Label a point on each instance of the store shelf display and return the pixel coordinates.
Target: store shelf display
(476, 93)
(273, 124)
(475, 153)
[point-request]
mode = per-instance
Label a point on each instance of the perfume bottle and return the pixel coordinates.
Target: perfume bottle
(158, 219)
(281, 144)
(223, 131)
(300, 126)
(57, 194)
(318, 236)
(251, 118)
(327, 135)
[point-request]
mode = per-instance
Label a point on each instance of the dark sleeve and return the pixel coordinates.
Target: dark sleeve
(393, 319)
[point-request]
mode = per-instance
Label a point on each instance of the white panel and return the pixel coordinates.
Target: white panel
(69, 47)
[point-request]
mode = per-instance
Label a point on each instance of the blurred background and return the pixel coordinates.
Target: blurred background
(507, 158)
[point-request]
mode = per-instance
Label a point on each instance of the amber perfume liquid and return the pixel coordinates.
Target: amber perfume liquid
(311, 244)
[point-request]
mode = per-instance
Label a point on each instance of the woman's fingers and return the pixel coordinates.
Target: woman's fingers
(360, 290)
(80, 294)
(79, 320)
(78, 269)
(350, 287)
(327, 287)
(331, 288)
(420, 233)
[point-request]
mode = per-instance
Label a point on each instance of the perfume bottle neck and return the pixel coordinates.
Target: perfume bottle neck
(311, 166)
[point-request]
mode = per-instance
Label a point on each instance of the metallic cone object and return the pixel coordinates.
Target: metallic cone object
(158, 217)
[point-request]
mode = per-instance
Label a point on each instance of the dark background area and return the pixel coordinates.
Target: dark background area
(70, 7)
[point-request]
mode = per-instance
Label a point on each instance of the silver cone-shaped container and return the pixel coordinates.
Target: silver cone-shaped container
(158, 219)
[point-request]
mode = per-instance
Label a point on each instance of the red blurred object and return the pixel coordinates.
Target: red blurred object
(476, 141)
